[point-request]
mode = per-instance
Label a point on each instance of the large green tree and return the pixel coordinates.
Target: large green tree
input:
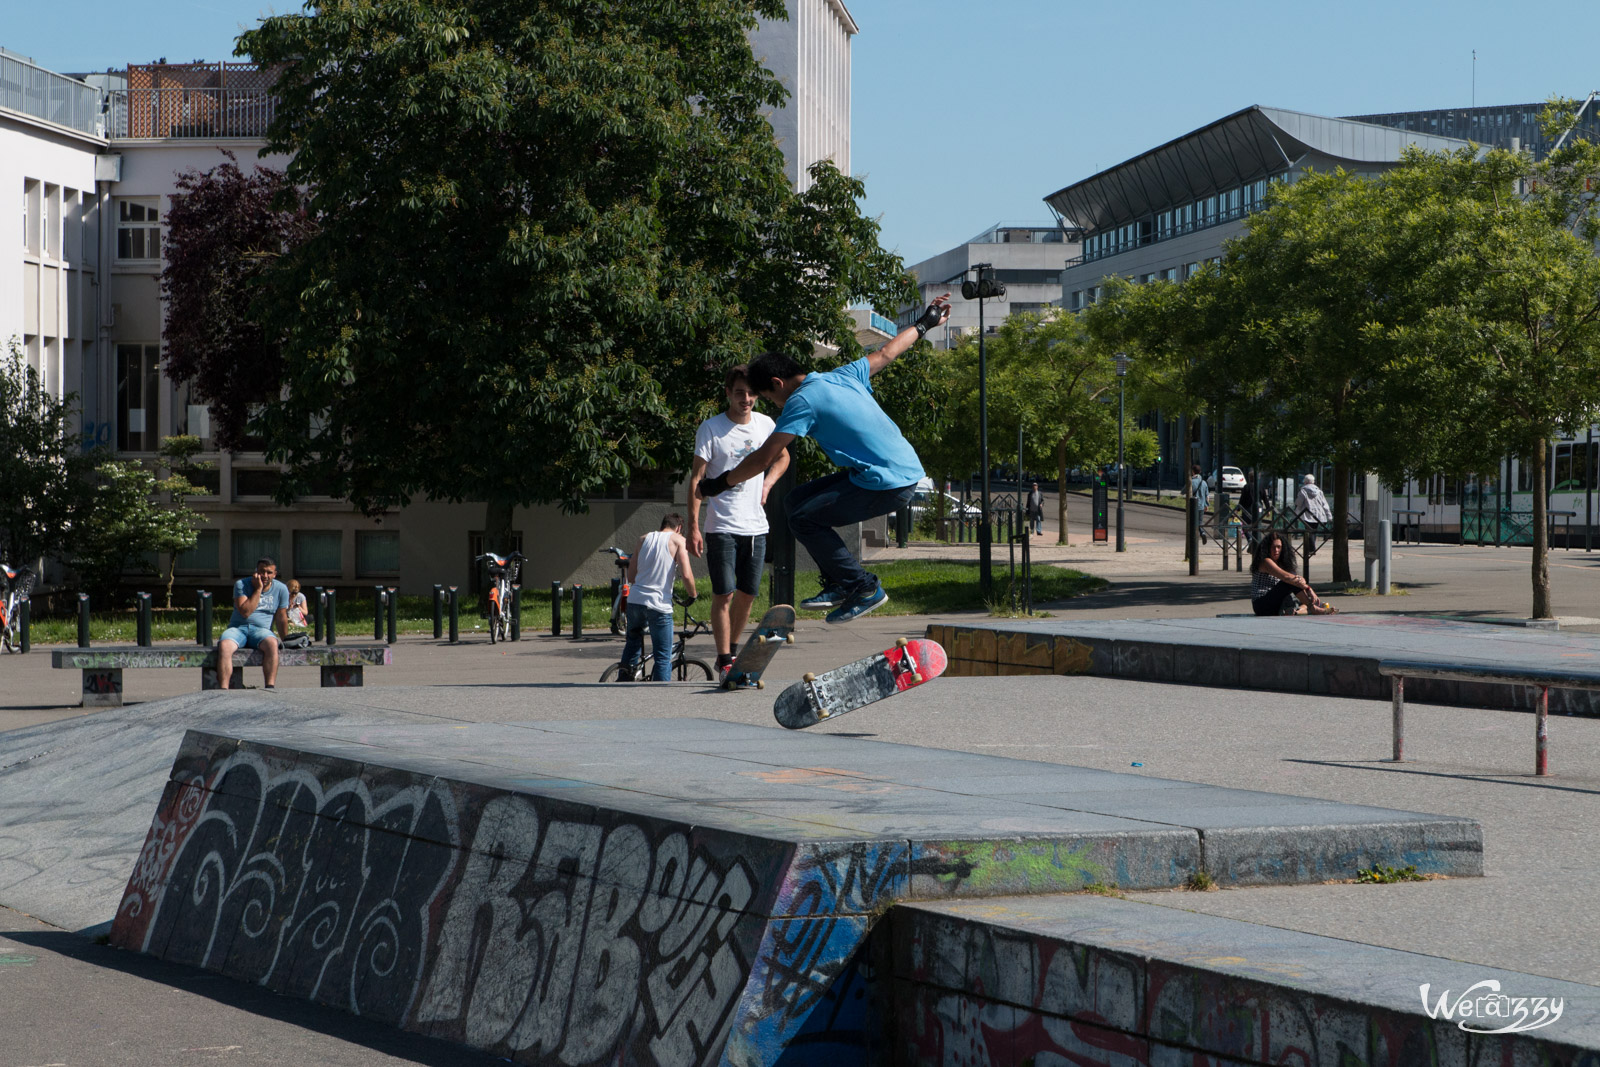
(542, 230)
(1507, 356)
(1048, 377)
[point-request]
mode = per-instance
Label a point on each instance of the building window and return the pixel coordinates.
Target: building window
(138, 387)
(318, 553)
(205, 557)
(256, 483)
(251, 545)
(138, 230)
(377, 553)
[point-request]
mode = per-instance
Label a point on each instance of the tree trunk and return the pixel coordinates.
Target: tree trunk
(1061, 490)
(172, 576)
(1541, 533)
(497, 526)
(1341, 523)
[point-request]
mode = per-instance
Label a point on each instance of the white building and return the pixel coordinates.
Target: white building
(810, 54)
(96, 161)
(1027, 259)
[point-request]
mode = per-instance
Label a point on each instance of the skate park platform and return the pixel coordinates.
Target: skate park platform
(1335, 655)
(661, 891)
(581, 942)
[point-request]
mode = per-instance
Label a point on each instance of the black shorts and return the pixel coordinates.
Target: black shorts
(735, 562)
(1271, 602)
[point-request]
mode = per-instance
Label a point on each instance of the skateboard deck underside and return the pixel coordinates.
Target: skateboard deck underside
(756, 655)
(855, 685)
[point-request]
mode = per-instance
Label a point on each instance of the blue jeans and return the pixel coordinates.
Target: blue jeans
(817, 507)
(660, 626)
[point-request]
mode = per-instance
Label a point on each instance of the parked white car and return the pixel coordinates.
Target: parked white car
(928, 500)
(1232, 480)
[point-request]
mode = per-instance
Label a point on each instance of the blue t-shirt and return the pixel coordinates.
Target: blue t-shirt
(273, 598)
(835, 409)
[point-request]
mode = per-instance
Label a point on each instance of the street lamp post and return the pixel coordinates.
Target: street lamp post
(1122, 409)
(985, 287)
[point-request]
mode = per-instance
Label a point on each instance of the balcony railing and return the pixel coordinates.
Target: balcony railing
(44, 94)
(193, 100)
(185, 112)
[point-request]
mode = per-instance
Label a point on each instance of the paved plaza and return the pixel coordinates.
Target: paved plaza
(1529, 913)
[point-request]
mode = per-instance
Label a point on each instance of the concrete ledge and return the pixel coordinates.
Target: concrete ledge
(1336, 655)
(661, 891)
(1085, 979)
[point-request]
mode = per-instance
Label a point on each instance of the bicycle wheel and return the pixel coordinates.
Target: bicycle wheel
(645, 666)
(691, 670)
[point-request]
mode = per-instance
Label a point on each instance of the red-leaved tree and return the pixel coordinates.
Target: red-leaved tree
(223, 227)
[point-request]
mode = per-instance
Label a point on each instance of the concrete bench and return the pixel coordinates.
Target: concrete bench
(342, 665)
(1399, 670)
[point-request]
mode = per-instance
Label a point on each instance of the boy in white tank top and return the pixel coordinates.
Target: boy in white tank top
(650, 576)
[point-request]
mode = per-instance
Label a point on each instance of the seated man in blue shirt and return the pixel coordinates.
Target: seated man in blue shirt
(879, 468)
(260, 602)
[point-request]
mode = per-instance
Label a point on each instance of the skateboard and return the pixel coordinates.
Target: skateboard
(775, 629)
(855, 685)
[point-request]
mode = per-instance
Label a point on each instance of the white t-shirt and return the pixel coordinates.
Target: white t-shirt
(723, 443)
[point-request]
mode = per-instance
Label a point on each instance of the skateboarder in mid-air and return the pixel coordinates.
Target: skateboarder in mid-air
(879, 469)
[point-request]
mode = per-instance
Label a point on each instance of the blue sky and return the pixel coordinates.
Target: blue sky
(969, 113)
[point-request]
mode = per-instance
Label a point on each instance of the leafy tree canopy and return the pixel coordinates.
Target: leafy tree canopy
(542, 230)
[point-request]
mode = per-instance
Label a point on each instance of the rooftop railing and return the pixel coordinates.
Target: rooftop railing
(43, 94)
(193, 100)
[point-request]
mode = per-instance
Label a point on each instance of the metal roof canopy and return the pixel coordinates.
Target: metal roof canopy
(1245, 146)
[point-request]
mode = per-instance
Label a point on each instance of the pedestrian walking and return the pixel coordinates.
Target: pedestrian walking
(1202, 500)
(1036, 509)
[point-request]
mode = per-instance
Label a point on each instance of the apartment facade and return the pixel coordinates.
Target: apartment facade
(96, 159)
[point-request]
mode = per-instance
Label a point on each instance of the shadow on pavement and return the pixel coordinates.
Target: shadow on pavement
(246, 997)
(1503, 778)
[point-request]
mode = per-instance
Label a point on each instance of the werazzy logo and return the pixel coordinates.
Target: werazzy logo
(1483, 1009)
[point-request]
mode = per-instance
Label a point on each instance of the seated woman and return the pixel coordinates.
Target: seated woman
(1272, 580)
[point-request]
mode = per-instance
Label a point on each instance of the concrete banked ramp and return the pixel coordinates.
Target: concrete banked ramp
(665, 891)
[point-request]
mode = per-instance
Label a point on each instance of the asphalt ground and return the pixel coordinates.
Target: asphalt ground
(65, 1000)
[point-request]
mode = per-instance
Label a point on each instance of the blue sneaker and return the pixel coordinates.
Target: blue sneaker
(859, 605)
(830, 597)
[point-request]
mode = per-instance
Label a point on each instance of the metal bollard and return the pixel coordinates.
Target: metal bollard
(83, 620)
(379, 601)
(202, 618)
(902, 526)
(555, 609)
(516, 611)
(577, 610)
(438, 612)
(455, 615)
(394, 611)
(141, 627)
(1191, 537)
(321, 600)
(332, 629)
(26, 608)
(1385, 555)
